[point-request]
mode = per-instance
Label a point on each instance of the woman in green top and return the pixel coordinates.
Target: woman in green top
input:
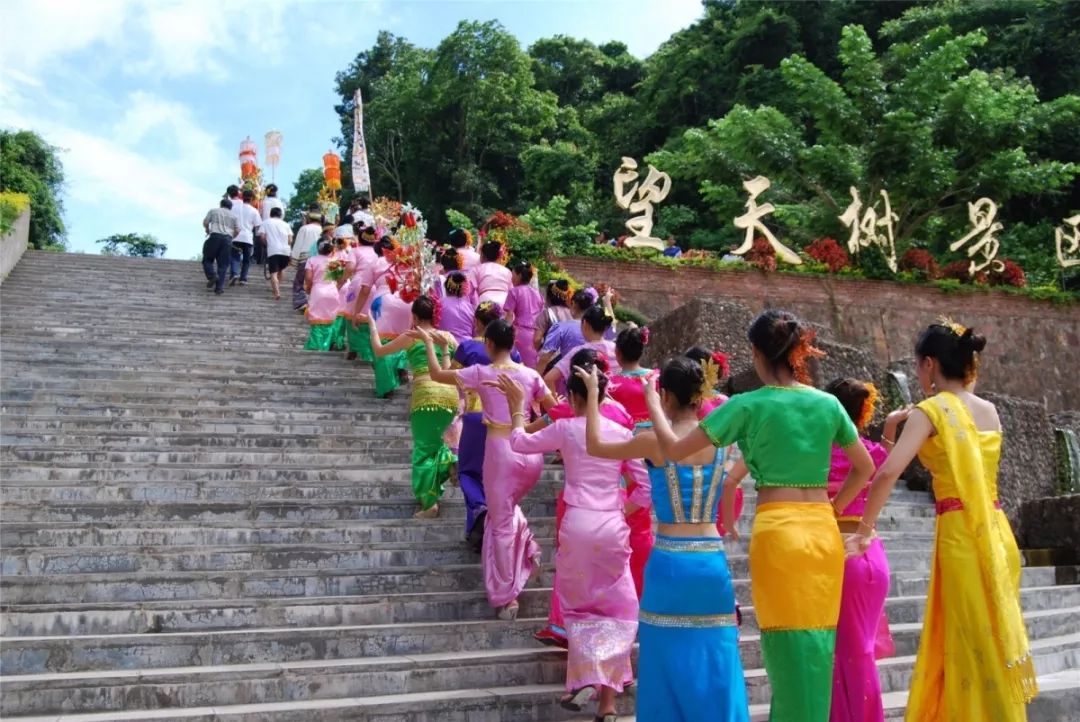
(785, 431)
(432, 406)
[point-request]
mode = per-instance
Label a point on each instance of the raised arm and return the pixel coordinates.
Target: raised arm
(671, 446)
(637, 447)
(400, 343)
(435, 369)
(916, 431)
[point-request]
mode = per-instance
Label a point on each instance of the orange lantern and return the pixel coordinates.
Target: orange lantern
(332, 171)
(249, 155)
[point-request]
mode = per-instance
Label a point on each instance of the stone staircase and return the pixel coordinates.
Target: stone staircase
(201, 521)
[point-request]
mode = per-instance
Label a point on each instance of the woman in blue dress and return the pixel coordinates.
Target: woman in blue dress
(688, 666)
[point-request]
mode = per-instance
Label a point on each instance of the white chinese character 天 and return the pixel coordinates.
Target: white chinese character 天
(1068, 248)
(751, 222)
(981, 215)
(639, 198)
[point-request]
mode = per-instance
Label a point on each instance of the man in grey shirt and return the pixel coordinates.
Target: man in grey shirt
(221, 227)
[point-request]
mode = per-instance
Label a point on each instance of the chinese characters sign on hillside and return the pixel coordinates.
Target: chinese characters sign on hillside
(639, 198)
(983, 252)
(867, 230)
(1068, 247)
(751, 221)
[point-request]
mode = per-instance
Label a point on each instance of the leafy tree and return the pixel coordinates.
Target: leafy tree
(305, 192)
(141, 245)
(30, 165)
(916, 120)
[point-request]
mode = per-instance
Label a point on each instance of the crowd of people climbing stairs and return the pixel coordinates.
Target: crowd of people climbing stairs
(503, 375)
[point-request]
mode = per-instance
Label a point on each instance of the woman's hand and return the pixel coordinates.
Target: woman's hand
(893, 421)
(421, 334)
(591, 379)
(652, 395)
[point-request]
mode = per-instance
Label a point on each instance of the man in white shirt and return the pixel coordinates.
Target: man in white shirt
(249, 221)
(278, 237)
(269, 202)
(307, 235)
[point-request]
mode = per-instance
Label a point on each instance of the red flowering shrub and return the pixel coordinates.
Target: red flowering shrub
(501, 219)
(960, 271)
(920, 261)
(1011, 275)
(829, 252)
(762, 255)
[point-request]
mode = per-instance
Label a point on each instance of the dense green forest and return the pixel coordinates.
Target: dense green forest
(939, 103)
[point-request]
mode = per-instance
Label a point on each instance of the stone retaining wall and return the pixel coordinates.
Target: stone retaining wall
(1033, 349)
(13, 245)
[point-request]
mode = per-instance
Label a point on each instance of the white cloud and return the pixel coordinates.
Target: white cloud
(161, 38)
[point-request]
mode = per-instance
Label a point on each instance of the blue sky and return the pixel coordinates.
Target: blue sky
(149, 101)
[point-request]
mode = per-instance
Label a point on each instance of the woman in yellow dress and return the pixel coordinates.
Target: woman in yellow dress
(973, 662)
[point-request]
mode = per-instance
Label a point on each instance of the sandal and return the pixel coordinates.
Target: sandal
(508, 612)
(578, 699)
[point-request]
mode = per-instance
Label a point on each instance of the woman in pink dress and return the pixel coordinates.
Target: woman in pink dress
(458, 307)
(594, 325)
(460, 241)
(601, 606)
(523, 306)
(322, 304)
(509, 554)
(491, 280)
(357, 337)
(862, 631)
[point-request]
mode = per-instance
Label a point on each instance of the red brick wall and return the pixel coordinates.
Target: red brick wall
(1033, 347)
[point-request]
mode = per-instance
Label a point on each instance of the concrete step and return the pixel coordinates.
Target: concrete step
(48, 561)
(35, 655)
(237, 412)
(239, 680)
(199, 512)
(168, 616)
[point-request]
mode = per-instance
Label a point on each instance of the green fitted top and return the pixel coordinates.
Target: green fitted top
(785, 433)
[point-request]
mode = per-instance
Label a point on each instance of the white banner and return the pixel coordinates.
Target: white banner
(361, 176)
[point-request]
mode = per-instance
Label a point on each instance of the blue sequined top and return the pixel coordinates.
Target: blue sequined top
(683, 494)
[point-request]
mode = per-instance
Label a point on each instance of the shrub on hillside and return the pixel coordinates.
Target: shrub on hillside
(829, 252)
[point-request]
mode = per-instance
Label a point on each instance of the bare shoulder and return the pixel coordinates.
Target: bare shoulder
(983, 411)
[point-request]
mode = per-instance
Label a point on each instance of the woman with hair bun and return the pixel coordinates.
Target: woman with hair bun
(458, 306)
(432, 405)
(523, 306)
(375, 302)
(357, 335)
(600, 606)
(785, 431)
(509, 554)
(473, 352)
(689, 660)
(595, 323)
(974, 660)
(862, 631)
(627, 387)
(490, 278)
(322, 304)
(557, 297)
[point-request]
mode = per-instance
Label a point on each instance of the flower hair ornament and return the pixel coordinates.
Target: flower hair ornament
(457, 288)
(566, 295)
(645, 335)
(468, 237)
(489, 307)
(866, 414)
(712, 378)
(602, 364)
(956, 328)
(436, 314)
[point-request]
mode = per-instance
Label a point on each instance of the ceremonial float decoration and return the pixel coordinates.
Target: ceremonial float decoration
(250, 174)
(328, 194)
(272, 145)
(387, 212)
(412, 259)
